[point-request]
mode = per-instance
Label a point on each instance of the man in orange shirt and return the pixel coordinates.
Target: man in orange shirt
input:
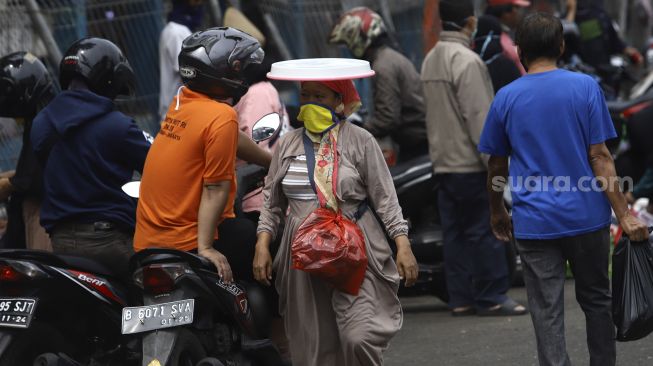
(188, 185)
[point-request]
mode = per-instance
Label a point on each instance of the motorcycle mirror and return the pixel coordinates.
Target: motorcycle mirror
(266, 127)
(132, 188)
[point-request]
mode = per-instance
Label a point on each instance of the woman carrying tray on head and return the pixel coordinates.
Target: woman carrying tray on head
(326, 325)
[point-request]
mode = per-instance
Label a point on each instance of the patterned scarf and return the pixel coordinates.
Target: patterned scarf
(326, 167)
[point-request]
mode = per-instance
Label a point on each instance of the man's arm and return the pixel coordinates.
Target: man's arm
(605, 172)
(249, 151)
(219, 169)
(6, 188)
(496, 182)
(212, 204)
(8, 174)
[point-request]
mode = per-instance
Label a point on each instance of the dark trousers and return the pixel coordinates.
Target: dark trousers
(111, 247)
(544, 274)
(237, 241)
(475, 261)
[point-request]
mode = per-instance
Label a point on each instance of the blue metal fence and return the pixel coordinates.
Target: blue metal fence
(134, 25)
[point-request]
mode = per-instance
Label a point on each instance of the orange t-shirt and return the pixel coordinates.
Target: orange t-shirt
(195, 146)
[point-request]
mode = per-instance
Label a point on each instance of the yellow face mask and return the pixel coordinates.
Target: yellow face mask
(317, 118)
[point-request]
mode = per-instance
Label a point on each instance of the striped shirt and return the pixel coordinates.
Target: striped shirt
(295, 183)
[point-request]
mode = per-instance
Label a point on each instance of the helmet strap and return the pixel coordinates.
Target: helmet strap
(178, 91)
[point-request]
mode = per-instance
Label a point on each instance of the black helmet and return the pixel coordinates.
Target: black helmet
(25, 85)
(101, 64)
(214, 62)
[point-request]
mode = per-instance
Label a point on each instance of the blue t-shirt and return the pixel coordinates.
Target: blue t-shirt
(546, 123)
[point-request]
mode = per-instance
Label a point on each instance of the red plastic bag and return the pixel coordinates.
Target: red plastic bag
(331, 247)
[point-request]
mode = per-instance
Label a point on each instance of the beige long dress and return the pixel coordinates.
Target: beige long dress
(327, 327)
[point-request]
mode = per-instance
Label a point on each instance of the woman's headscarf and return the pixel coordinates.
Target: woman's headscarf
(351, 101)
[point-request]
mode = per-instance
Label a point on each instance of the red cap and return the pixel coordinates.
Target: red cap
(522, 3)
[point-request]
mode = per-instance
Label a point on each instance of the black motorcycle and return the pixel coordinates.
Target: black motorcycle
(57, 308)
(189, 315)
(631, 120)
(417, 189)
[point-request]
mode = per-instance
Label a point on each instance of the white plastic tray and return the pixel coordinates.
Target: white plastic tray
(325, 69)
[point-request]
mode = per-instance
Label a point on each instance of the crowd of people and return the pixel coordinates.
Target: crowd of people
(489, 102)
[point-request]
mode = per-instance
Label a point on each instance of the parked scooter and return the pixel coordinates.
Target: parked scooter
(631, 121)
(57, 308)
(189, 315)
(417, 188)
(417, 193)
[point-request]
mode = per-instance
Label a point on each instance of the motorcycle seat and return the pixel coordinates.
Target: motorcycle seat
(409, 170)
(622, 106)
(161, 255)
(87, 265)
(58, 260)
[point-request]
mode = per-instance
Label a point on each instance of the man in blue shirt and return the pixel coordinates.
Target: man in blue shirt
(552, 124)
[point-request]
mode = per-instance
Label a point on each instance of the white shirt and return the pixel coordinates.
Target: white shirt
(172, 36)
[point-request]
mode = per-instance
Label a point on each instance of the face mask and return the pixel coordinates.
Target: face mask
(317, 118)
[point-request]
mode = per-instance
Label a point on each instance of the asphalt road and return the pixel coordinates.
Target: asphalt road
(431, 336)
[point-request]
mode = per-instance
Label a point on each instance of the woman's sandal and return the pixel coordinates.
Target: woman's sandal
(508, 308)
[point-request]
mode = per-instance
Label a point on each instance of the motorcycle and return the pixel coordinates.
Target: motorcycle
(414, 182)
(417, 188)
(190, 316)
(630, 148)
(189, 313)
(61, 310)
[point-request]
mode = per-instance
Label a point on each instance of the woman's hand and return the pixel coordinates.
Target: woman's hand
(263, 260)
(220, 262)
(406, 262)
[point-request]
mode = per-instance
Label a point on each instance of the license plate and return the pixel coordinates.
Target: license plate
(16, 313)
(170, 314)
